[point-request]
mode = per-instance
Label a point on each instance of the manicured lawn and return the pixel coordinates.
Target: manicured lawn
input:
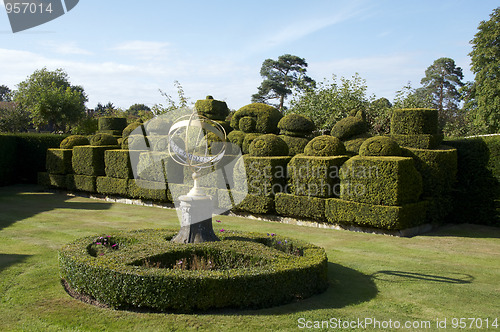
(450, 273)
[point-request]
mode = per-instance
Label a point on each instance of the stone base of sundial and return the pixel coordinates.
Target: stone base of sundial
(196, 220)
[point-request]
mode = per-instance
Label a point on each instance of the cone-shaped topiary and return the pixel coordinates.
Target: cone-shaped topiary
(380, 146)
(296, 125)
(350, 126)
(101, 139)
(325, 146)
(267, 146)
(74, 140)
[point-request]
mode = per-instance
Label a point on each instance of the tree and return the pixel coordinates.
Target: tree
(442, 82)
(330, 101)
(51, 100)
(408, 97)
(281, 77)
(140, 111)
(5, 93)
(485, 60)
(12, 118)
(172, 105)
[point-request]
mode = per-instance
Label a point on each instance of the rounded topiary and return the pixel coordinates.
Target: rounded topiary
(350, 126)
(101, 139)
(247, 141)
(74, 140)
(211, 108)
(325, 146)
(267, 146)
(236, 137)
(295, 144)
(267, 117)
(144, 269)
(130, 128)
(380, 146)
(296, 125)
(247, 124)
(159, 125)
(112, 123)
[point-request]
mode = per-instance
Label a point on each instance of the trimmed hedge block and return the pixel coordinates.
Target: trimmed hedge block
(74, 140)
(111, 123)
(343, 212)
(81, 183)
(300, 206)
(112, 186)
(43, 179)
(296, 145)
(89, 160)
(58, 161)
(153, 165)
(380, 180)
(211, 108)
(248, 202)
(315, 176)
(147, 190)
(265, 176)
(418, 141)
(414, 121)
(117, 164)
(52, 180)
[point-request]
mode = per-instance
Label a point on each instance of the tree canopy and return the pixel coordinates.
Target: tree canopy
(5, 93)
(484, 96)
(281, 77)
(51, 100)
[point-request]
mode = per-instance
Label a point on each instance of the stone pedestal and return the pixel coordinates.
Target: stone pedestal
(196, 220)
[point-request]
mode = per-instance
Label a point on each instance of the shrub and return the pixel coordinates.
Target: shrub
(236, 137)
(58, 161)
(102, 139)
(350, 126)
(300, 206)
(159, 125)
(89, 160)
(247, 141)
(81, 183)
(380, 180)
(271, 269)
(349, 213)
(255, 204)
(247, 124)
(127, 131)
(414, 121)
(52, 180)
(112, 186)
(267, 117)
(419, 141)
(73, 140)
(296, 125)
(147, 190)
(324, 146)
(295, 144)
(211, 108)
(268, 145)
(8, 159)
(112, 123)
(117, 164)
(380, 146)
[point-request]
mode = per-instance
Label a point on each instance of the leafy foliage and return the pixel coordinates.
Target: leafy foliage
(5, 93)
(281, 77)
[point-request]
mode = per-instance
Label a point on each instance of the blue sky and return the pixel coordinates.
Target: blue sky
(124, 51)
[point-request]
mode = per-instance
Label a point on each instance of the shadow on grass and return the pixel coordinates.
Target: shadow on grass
(19, 202)
(467, 230)
(7, 260)
(451, 278)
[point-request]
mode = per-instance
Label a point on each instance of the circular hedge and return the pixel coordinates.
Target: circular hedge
(350, 126)
(268, 145)
(324, 146)
(266, 115)
(296, 125)
(101, 139)
(74, 140)
(380, 146)
(144, 269)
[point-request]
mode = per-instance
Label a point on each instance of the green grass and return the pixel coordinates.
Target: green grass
(451, 273)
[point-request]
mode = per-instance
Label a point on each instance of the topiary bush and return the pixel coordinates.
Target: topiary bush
(380, 146)
(350, 126)
(296, 125)
(247, 124)
(127, 131)
(268, 145)
(247, 141)
(267, 117)
(414, 121)
(296, 145)
(109, 123)
(211, 108)
(102, 139)
(144, 269)
(324, 146)
(74, 140)
(58, 161)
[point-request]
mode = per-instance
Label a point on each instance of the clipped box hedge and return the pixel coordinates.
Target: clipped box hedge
(81, 183)
(419, 141)
(252, 271)
(89, 160)
(147, 190)
(380, 180)
(117, 164)
(241, 201)
(112, 186)
(296, 145)
(300, 206)
(438, 168)
(52, 180)
(343, 212)
(265, 176)
(107, 124)
(315, 176)
(58, 161)
(414, 121)
(153, 165)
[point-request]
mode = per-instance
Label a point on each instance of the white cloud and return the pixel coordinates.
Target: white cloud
(144, 50)
(66, 48)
